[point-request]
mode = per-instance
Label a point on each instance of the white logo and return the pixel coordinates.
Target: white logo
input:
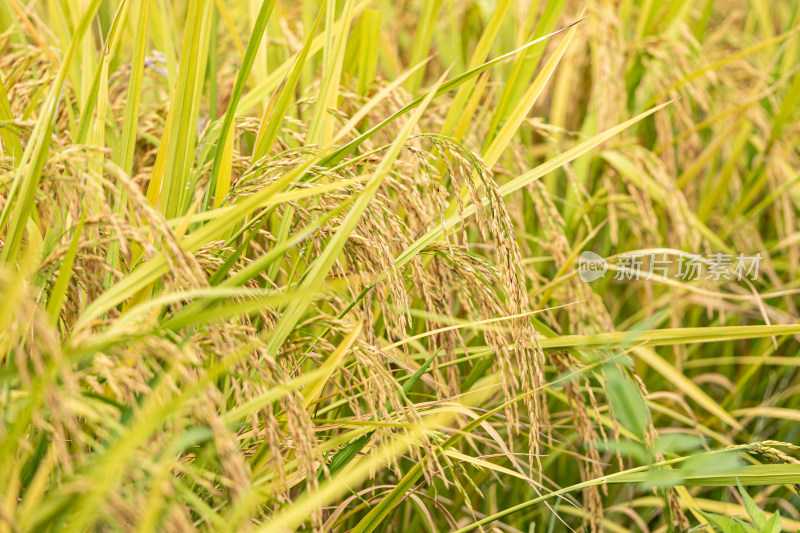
(591, 266)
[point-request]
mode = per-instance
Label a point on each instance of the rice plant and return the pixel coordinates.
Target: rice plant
(429, 265)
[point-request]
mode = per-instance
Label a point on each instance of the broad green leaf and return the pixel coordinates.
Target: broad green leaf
(669, 336)
(748, 476)
(773, 525)
(726, 524)
(756, 514)
(676, 443)
(627, 402)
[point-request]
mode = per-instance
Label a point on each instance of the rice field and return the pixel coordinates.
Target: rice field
(424, 265)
